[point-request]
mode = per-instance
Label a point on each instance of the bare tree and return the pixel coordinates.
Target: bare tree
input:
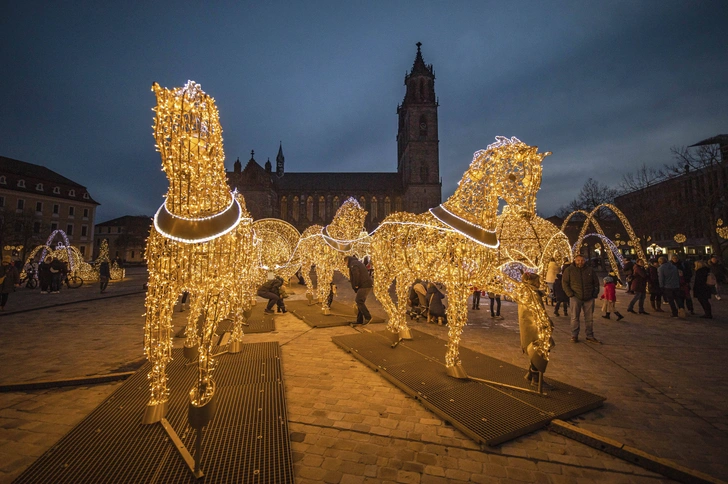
(591, 195)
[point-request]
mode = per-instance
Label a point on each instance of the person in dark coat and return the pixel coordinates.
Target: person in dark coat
(57, 269)
(104, 275)
(361, 283)
(560, 296)
(581, 284)
(436, 306)
(628, 269)
(638, 287)
(701, 290)
(44, 274)
(11, 279)
(271, 291)
(719, 271)
(653, 287)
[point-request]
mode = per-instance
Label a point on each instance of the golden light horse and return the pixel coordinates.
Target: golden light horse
(201, 243)
(456, 244)
(325, 248)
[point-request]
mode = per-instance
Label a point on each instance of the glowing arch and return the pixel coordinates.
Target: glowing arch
(608, 242)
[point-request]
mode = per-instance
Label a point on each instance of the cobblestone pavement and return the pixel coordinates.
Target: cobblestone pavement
(663, 379)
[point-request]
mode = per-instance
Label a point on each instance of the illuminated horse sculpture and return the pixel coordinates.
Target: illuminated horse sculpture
(325, 247)
(201, 243)
(456, 244)
(278, 241)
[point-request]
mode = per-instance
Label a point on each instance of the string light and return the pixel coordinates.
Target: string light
(202, 243)
(680, 238)
(278, 241)
(460, 245)
(721, 230)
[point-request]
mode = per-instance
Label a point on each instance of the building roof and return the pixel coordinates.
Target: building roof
(40, 180)
(721, 139)
(341, 182)
(126, 220)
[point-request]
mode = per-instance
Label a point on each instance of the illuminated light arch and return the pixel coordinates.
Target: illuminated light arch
(277, 241)
(612, 247)
(634, 241)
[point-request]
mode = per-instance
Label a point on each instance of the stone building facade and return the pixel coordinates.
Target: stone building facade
(127, 237)
(36, 201)
(304, 199)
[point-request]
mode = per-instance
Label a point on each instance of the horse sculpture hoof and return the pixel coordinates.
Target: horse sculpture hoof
(154, 413)
(457, 371)
(405, 334)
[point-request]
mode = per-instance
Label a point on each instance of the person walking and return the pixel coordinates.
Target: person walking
(271, 291)
(44, 274)
(56, 268)
(653, 287)
(702, 290)
(476, 298)
(551, 272)
(669, 283)
(638, 287)
(628, 269)
(581, 284)
(610, 297)
(560, 296)
(718, 270)
(362, 284)
(104, 275)
(10, 280)
(495, 305)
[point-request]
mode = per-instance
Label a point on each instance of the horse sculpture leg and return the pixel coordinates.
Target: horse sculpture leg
(306, 273)
(192, 335)
(403, 287)
(324, 277)
(158, 345)
(457, 315)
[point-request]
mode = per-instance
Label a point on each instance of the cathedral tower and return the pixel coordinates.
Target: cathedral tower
(418, 159)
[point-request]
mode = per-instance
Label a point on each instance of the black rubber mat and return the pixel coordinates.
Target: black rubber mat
(487, 413)
(341, 314)
(247, 440)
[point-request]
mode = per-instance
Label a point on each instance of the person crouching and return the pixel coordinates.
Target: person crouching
(271, 291)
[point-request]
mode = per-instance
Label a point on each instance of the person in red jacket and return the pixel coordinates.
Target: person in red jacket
(639, 287)
(610, 297)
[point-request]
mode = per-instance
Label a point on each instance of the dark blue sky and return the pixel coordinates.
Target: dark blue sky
(605, 86)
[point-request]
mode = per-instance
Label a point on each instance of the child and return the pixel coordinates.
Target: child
(610, 297)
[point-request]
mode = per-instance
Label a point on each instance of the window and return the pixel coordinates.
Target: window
(336, 205)
(309, 209)
(56, 208)
(118, 229)
(387, 206)
(21, 183)
(71, 193)
(2, 201)
(295, 208)
(36, 227)
(363, 202)
(398, 204)
(3, 180)
(284, 208)
(69, 229)
(38, 206)
(322, 208)
(82, 249)
(39, 187)
(132, 254)
(57, 190)
(85, 196)
(54, 226)
(84, 230)
(71, 211)
(374, 208)
(21, 204)
(85, 213)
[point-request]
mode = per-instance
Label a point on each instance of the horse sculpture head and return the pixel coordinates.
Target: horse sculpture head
(189, 138)
(508, 170)
(348, 221)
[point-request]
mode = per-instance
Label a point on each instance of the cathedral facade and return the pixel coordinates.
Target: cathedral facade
(304, 199)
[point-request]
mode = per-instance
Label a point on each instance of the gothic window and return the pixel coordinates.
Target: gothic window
(423, 172)
(422, 89)
(398, 204)
(284, 208)
(335, 206)
(363, 202)
(387, 206)
(309, 209)
(423, 126)
(322, 208)
(374, 208)
(295, 208)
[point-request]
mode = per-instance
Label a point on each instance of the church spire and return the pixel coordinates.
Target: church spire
(419, 68)
(280, 160)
